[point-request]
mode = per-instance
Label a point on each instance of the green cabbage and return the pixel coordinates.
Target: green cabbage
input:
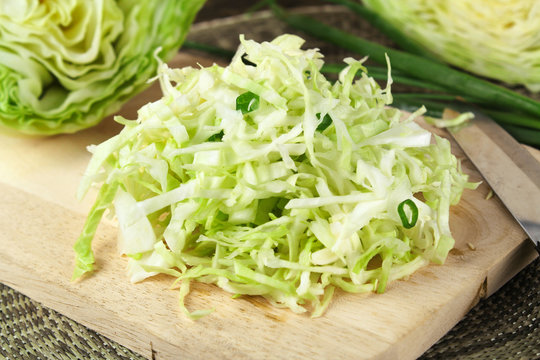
(270, 180)
(498, 39)
(65, 65)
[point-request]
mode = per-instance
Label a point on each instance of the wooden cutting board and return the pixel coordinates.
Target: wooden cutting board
(40, 220)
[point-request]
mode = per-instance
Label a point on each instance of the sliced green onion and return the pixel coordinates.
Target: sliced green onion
(247, 102)
(404, 219)
(246, 61)
(217, 137)
(326, 122)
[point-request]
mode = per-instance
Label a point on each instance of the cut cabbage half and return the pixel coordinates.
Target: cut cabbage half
(65, 65)
(498, 39)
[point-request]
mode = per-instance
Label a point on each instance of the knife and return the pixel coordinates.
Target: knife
(509, 169)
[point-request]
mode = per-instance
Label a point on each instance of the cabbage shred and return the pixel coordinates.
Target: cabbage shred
(231, 179)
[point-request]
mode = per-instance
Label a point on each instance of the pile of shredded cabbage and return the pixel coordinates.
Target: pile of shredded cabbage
(265, 178)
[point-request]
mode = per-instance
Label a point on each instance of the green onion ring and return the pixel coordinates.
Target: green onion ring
(404, 220)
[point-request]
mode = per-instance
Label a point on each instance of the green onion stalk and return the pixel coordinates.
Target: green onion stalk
(519, 114)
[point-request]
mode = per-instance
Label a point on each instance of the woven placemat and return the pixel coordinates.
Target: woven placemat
(29, 330)
(504, 326)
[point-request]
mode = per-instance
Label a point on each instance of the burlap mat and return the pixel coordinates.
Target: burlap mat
(504, 326)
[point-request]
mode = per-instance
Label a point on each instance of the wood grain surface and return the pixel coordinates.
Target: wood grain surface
(40, 220)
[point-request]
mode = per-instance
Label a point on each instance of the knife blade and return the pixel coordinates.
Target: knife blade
(509, 169)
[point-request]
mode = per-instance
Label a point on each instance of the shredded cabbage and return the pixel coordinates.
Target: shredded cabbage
(231, 179)
(498, 39)
(65, 65)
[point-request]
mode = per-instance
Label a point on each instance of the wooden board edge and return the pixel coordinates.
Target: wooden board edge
(509, 266)
(417, 342)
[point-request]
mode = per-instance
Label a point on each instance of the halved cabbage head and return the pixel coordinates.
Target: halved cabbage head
(498, 39)
(65, 65)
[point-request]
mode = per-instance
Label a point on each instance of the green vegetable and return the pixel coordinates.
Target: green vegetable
(527, 136)
(493, 38)
(403, 216)
(65, 65)
(247, 102)
(325, 122)
(261, 200)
